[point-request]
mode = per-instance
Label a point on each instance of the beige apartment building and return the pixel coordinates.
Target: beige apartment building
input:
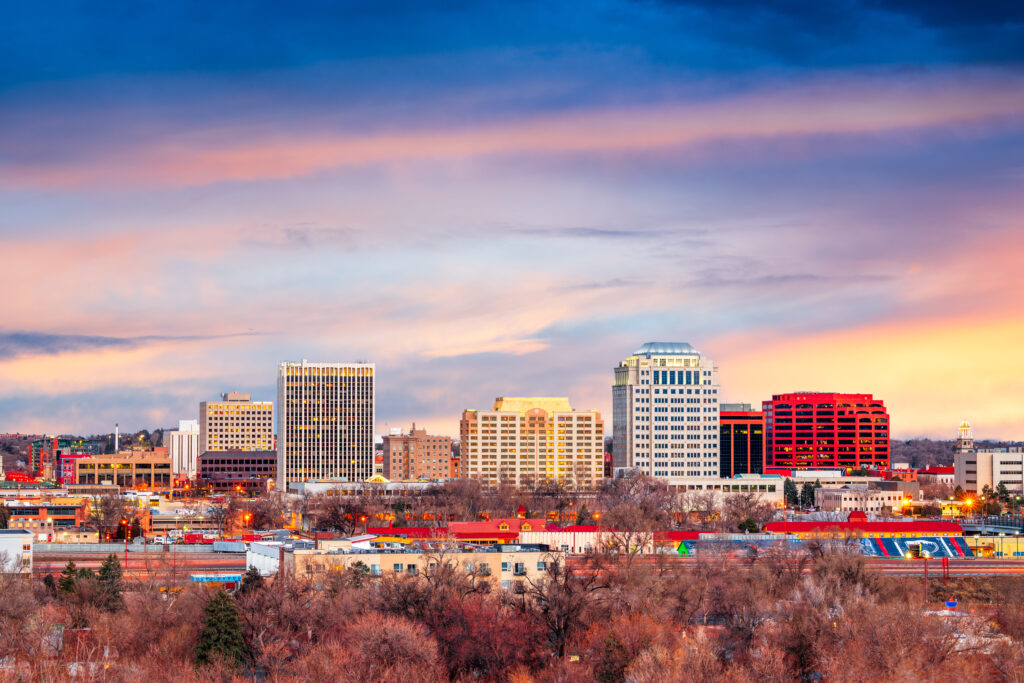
(418, 455)
(510, 568)
(236, 423)
(525, 440)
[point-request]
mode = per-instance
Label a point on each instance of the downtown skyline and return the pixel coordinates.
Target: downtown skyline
(487, 200)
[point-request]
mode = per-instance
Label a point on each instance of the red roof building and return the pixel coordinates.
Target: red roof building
(857, 525)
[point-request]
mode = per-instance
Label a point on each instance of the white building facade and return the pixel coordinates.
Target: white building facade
(864, 498)
(325, 415)
(973, 470)
(665, 412)
(183, 445)
(16, 551)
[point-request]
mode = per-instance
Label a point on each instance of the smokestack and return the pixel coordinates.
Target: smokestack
(117, 437)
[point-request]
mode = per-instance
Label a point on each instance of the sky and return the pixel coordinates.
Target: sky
(508, 198)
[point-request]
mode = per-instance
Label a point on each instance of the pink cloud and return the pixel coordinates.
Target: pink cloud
(840, 105)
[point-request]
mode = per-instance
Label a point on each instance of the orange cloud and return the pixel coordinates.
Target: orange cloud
(931, 375)
(847, 104)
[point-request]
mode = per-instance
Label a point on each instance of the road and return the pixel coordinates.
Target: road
(959, 567)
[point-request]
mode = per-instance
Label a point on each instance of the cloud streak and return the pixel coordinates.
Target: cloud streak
(14, 344)
(840, 106)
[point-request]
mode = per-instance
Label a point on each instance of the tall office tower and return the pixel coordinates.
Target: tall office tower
(325, 415)
(741, 445)
(416, 455)
(236, 423)
(183, 445)
(524, 441)
(806, 430)
(665, 412)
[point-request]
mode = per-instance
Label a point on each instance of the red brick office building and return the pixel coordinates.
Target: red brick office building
(807, 430)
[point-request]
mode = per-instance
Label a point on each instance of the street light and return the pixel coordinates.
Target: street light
(127, 532)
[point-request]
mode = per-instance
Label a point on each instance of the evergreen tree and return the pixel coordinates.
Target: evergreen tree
(790, 493)
(958, 493)
(111, 584)
(807, 495)
(5, 515)
(584, 516)
(221, 638)
(51, 585)
(1002, 493)
(66, 583)
(614, 661)
(252, 581)
(748, 525)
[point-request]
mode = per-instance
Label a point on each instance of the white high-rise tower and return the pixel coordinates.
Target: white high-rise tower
(665, 412)
(183, 444)
(325, 414)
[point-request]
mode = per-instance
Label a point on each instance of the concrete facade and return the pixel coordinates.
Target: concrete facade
(236, 423)
(973, 470)
(183, 445)
(16, 551)
(864, 498)
(666, 412)
(525, 440)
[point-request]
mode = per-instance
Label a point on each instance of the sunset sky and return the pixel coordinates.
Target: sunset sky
(507, 198)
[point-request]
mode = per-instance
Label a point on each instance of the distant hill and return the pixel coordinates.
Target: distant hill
(924, 452)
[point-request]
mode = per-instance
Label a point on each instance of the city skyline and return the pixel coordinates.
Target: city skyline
(492, 200)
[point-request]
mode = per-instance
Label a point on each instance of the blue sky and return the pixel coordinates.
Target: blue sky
(507, 198)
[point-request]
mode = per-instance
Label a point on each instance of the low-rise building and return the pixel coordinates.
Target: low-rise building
(857, 525)
(937, 475)
(16, 551)
(850, 498)
(128, 469)
(899, 470)
(249, 471)
(46, 518)
(505, 567)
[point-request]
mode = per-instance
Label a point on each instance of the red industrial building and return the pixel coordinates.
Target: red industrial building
(741, 445)
(808, 430)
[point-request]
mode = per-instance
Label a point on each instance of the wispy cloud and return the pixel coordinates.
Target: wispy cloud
(851, 104)
(14, 344)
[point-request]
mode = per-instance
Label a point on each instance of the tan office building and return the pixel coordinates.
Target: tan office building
(236, 423)
(128, 469)
(525, 440)
(418, 455)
